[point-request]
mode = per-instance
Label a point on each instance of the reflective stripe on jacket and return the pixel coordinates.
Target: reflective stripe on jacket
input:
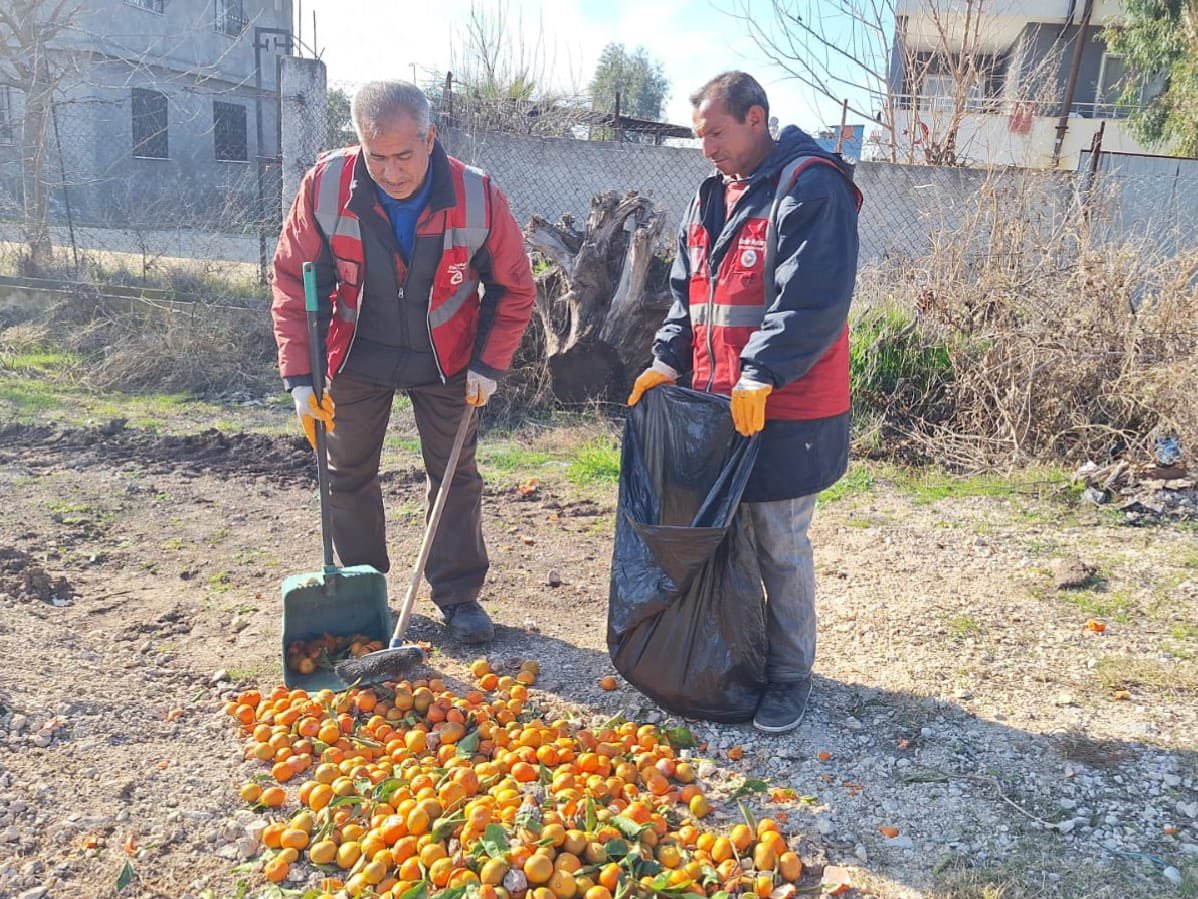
(452, 321)
(476, 242)
(728, 306)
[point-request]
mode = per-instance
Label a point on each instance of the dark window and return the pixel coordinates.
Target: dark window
(149, 124)
(1113, 78)
(228, 130)
(230, 17)
(151, 5)
(5, 115)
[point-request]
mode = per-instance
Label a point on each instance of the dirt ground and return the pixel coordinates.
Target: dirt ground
(960, 697)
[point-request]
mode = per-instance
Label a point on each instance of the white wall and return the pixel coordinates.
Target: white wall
(989, 140)
(1001, 22)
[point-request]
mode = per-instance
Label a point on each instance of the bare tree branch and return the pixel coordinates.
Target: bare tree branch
(504, 76)
(803, 42)
(858, 46)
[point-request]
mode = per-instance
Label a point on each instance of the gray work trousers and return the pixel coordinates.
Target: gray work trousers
(788, 573)
(457, 562)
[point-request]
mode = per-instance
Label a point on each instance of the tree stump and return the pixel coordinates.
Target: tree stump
(603, 296)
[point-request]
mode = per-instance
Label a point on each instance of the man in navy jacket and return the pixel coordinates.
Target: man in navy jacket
(775, 341)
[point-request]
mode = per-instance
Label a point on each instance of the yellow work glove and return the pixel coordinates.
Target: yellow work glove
(478, 388)
(308, 411)
(748, 405)
(654, 376)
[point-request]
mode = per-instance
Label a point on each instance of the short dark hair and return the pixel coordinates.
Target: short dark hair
(738, 91)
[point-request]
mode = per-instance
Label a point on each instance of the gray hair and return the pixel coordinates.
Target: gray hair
(378, 104)
(738, 91)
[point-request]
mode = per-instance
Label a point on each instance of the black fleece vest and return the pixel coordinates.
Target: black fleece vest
(392, 345)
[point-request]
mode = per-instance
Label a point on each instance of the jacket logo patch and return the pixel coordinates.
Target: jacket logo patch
(748, 258)
(457, 273)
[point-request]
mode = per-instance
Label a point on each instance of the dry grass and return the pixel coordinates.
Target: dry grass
(202, 275)
(1024, 335)
(1076, 746)
(1062, 344)
(1178, 678)
(204, 349)
(1038, 868)
(526, 390)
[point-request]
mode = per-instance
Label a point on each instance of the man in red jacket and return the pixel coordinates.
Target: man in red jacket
(774, 339)
(424, 287)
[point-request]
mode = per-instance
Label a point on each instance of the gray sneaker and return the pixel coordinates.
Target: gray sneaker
(468, 622)
(782, 707)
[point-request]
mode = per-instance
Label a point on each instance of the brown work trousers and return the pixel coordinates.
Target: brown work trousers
(457, 563)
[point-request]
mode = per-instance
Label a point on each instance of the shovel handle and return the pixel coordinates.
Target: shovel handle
(311, 307)
(430, 530)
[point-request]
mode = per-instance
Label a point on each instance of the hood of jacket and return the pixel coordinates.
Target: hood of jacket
(792, 143)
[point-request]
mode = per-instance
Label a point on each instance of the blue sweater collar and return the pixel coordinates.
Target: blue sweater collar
(413, 203)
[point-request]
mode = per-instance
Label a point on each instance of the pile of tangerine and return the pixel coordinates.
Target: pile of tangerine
(305, 656)
(415, 792)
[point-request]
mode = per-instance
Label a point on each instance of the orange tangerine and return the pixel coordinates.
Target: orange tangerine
(322, 852)
(275, 870)
(741, 836)
(273, 797)
(721, 850)
(294, 838)
(538, 868)
(790, 866)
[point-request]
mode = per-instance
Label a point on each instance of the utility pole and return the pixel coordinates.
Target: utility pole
(1079, 43)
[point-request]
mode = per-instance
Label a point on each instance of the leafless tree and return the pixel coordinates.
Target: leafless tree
(507, 77)
(27, 28)
(65, 66)
(957, 54)
(885, 62)
(838, 48)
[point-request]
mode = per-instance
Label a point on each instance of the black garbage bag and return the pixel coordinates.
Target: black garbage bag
(686, 615)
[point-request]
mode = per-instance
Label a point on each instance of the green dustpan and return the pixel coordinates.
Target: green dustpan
(337, 601)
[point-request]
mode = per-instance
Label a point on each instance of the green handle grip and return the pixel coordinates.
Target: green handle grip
(311, 302)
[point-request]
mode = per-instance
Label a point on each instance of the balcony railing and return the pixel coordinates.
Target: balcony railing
(1101, 110)
(940, 107)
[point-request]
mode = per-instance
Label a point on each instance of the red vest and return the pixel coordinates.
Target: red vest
(453, 301)
(727, 309)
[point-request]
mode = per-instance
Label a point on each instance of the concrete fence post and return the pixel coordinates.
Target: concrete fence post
(303, 105)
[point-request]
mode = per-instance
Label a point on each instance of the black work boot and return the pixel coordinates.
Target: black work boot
(468, 622)
(782, 706)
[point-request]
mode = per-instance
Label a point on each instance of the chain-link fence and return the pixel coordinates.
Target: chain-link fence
(137, 186)
(182, 186)
(551, 155)
(540, 154)
(127, 158)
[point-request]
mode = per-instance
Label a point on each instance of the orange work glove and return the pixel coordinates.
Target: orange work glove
(308, 411)
(748, 405)
(654, 376)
